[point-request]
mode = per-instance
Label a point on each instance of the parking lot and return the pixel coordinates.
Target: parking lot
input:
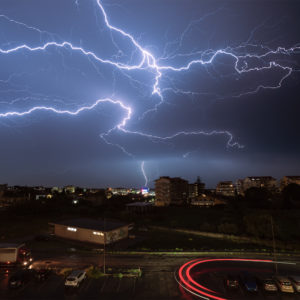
(53, 288)
(208, 277)
(152, 285)
(157, 282)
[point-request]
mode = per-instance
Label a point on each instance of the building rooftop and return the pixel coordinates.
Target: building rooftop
(225, 183)
(101, 225)
(170, 178)
(260, 177)
(10, 245)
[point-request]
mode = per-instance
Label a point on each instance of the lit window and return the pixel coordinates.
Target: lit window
(98, 233)
(72, 229)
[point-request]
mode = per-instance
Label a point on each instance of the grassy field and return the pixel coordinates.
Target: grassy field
(162, 240)
(13, 226)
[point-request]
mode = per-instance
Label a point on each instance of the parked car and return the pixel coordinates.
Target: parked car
(19, 278)
(42, 274)
(75, 278)
(284, 284)
(269, 285)
(231, 282)
(296, 283)
(249, 282)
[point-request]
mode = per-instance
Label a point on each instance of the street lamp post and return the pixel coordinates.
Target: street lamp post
(104, 240)
(274, 245)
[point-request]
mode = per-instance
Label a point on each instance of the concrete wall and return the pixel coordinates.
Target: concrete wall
(117, 234)
(86, 235)
(83, 235)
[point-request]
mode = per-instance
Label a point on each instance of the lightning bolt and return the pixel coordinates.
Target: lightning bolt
(72, 113)
(144, 173)
(160, 69)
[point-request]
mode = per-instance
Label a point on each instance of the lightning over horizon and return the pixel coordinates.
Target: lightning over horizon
(163, 75)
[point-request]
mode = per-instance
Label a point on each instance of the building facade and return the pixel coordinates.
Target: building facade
(225, 188)
(239, 187)
(286, 180)
(171, 191)
(91, 231)
(267, 182)
(196, 189)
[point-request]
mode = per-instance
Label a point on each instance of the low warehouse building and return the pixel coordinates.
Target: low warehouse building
(91, 231)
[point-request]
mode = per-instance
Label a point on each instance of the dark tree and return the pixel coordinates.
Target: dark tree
(291, 196)
(258, 197)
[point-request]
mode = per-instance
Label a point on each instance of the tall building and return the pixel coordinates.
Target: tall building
(197, 188)
(286, 180)
(267, 182)
(170, 191)
(239, 187)
(225, 188)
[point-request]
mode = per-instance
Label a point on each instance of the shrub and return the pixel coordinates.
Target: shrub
(94, 272)
(228, 228)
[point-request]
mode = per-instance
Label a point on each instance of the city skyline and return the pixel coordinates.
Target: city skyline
(96, 94)
(277, 182)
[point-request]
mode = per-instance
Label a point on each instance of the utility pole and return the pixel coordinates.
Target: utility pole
(274, 245)
(104, 239)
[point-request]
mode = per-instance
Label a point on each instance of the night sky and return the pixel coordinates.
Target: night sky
(182, 87)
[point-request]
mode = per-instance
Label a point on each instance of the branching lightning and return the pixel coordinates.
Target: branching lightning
(160, 70)
(72, 113)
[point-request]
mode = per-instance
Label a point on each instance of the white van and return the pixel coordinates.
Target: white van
(75, 278)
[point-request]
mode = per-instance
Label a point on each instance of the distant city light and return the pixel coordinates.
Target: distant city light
(145, 190)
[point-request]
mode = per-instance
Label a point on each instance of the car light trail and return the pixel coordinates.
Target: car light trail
(187, 281)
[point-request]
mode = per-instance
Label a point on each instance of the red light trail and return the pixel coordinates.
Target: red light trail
(189, 284)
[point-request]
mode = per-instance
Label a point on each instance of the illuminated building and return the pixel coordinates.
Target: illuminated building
(145, 191)
(120, 191)
(286, 180)
(70, 189)
(170, 191)
(197, 188)
(91, 231)
(225, 188)
(207, 201)
(239, 187)
(267, 182)
(56, 189)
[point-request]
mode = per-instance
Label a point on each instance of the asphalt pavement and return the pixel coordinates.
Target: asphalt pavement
(157, 280)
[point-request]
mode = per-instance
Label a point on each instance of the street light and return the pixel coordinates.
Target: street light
(274, 245)
(104, 240)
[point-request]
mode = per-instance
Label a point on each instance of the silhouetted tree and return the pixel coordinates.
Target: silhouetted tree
(259, 225)
(291, 196)
(258, 197)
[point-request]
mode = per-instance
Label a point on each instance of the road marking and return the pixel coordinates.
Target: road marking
(201, 296)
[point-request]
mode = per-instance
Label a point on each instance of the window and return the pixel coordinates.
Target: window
(98, 233)
(72, 229)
